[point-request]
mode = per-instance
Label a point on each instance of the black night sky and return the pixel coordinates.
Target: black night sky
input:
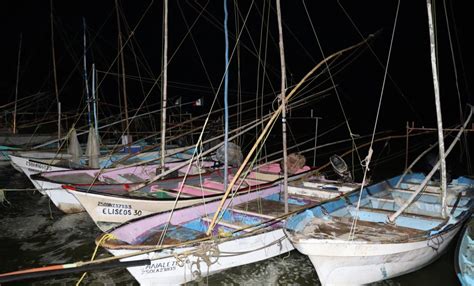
(196, 52)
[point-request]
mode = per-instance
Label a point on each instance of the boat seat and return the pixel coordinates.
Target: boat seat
(266, 177)
(412, 191)
(429, 188)
(201, 190)
(253, 213)
(175, 234)
(435, 217)
(319, 193)
(228, 224)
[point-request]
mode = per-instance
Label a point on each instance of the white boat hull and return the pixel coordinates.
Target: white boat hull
(61, 198)
(109, 211)
(339, 262)
(166, 269)
(29, 167)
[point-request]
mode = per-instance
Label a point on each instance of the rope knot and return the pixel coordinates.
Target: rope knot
(365, 163)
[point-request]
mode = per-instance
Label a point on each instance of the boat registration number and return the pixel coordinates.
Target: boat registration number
(117, 209)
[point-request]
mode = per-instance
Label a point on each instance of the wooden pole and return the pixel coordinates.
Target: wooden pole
(394, 216)
(165, 86)
(283, 105)
(16, 86)
(270, 122)
(56, 91)
(124, 83)
(439, 117)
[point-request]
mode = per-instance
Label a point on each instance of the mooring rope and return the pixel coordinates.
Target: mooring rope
(105, 237)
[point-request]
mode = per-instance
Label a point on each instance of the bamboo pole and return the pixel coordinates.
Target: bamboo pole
(394, 216)
(124, 83)
(266, 129)
(56, 91)
(16, 85)
(165, 86)
(439, 117)
(283, 105)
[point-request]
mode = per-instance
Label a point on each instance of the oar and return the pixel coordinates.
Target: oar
(62, 269)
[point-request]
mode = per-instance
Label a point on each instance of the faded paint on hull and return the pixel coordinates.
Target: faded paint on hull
(108, 211)
(340, 263)
(166, 270)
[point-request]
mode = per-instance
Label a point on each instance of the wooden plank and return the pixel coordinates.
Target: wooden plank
(406, 214)
(204, 189)
(268, 207)
(229, 225)
(253, 213)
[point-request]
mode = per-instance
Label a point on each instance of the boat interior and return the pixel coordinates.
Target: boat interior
(423, 216)
(249, 216)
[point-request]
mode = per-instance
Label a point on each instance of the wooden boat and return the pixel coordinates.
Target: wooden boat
(110, 205)
(33, 162)
(32, 165)
(464, 257)
(388, 229)
(350, 247)
(50, 183)
(249, 230)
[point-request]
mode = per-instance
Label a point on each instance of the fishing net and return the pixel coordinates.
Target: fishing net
(234, 154)
(74, 148)
(294, 163)
(92, 150)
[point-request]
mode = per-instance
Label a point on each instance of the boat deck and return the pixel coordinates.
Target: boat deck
(245, 217)
(339, 228)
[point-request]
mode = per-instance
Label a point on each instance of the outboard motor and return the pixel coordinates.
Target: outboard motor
(340, 167)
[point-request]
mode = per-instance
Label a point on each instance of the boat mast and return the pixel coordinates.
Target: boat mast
(16, 86)
(86, 81)
(94, 100)
(283, 104)
(226, 102)
(125, 105)
(54, 74)
(165, 85)
(434, 69)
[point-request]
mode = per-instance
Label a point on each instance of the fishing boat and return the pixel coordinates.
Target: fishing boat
(249, 230)
(241, 228)
(350, 246)
(464, 256)
(391, 228)
(50, 183)
(33, 162)
(110, 205)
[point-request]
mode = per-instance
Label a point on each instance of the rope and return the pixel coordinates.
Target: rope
(367, 159)
(332, 81)
(105, 237)
(394, 83)
(3, 198)
(455, 70)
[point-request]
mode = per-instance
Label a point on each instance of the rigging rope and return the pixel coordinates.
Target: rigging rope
(369, 155)
(332, 79)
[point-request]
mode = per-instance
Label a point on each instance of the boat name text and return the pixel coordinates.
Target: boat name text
(38, 166)
(159, 267)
